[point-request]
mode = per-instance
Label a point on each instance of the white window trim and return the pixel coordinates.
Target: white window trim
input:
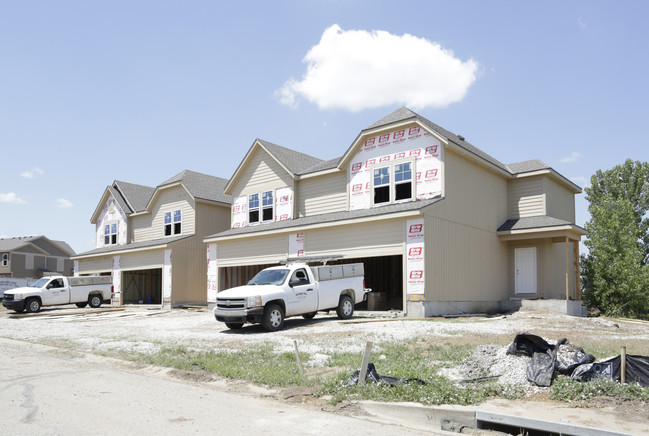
(110, 224)
(391, 165)
(172, 223)
(260, 209)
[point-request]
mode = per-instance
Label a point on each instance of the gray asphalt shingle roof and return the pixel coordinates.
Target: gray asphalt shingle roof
(132, 246)
(201, 186)
(533, 222)
(135, 196)
(294, 161)
(527, 166)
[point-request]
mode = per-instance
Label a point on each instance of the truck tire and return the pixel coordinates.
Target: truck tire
(81, 305)
(94, 301)
(32, 305)
(273, 318)
(309, 315)
(234, 325)
(345, 308)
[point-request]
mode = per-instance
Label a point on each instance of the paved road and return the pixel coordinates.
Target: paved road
(50, 391)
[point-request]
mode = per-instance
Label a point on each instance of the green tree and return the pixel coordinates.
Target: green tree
(615, 269)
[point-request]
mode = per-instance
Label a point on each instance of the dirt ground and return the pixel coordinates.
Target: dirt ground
(148, 329)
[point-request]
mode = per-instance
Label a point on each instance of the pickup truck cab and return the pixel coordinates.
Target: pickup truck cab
(57, 290)
(277, 293)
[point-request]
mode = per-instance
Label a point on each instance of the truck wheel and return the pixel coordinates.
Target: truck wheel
(94, 301)
(345, 308)
(273, 318)
(81, 305)
(32, 305)
(234, 325)
(309, 315)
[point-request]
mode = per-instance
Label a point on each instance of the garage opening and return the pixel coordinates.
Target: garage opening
(384, 275)
(142, 286)
(233, 276)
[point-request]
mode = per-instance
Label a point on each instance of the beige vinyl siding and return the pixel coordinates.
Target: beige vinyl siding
(252, 251)
(556, 274)
(148, 259)
(370, 239)
(151, 226)
(96, 265)
(261, 173)
(322, 194)
(465, 261)
(560, 201)
(211, 219)
(526, 197)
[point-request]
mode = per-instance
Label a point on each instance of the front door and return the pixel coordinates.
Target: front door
(525, 270)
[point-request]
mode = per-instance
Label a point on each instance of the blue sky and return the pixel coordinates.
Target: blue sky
(92, 92)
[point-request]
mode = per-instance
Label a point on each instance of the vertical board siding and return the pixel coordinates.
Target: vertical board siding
(526, 197)
(323, 194)
(560, 201)
(261, 173)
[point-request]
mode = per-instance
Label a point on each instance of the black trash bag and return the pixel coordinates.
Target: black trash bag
(526, 344)
(637, 370)
(546, 358)
(374, 376)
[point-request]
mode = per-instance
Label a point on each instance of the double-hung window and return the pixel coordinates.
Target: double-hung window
(260, 211)
(173, 221)
(392, 183)
(110, 234)
(5, 259)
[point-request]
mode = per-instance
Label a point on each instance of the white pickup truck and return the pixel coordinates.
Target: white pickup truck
(291, 290)
(57, 290)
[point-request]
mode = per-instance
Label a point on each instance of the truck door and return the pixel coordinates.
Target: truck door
(304, 293)
(56, 292)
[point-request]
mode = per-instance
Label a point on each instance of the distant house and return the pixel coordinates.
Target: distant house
(33, 257)
(441, 226)
(151, 239)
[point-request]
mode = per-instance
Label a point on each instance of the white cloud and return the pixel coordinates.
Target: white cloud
(572, 157)
(581, 23)
(63, 203)
(11, 197)
(358, 69)
(30, 174)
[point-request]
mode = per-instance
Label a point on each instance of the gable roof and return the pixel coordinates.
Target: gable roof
(527, 166)
(293, 162)
(200, 186)
(16, 243)
(135, 196)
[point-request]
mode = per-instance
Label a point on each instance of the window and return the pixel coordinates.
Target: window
(387, 190)
(300, 276)
(110, 234)
(260, 213)
(5, 259)
(173, 221)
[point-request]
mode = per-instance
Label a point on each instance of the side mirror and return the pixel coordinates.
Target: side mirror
(294, 282)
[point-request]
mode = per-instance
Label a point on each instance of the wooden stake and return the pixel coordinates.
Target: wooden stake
(299, 362)
(623, 365)
(366, 361)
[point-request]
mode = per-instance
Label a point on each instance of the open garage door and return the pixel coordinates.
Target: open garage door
(142, 286)
(384, 275)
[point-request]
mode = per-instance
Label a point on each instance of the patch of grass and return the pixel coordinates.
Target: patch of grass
(564, 389)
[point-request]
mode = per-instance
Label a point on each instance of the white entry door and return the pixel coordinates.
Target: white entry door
(525, 270)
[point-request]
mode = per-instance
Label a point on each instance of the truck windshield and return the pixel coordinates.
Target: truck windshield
(269, 277)
(40, 282)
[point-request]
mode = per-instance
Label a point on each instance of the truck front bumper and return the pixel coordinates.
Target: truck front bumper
(253, 315)
(17, 305)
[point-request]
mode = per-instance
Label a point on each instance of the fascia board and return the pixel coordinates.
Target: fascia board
(102, 202)
(122, 251)
(555, 175)
(542, 233)
(345, 222)
(318, 173)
